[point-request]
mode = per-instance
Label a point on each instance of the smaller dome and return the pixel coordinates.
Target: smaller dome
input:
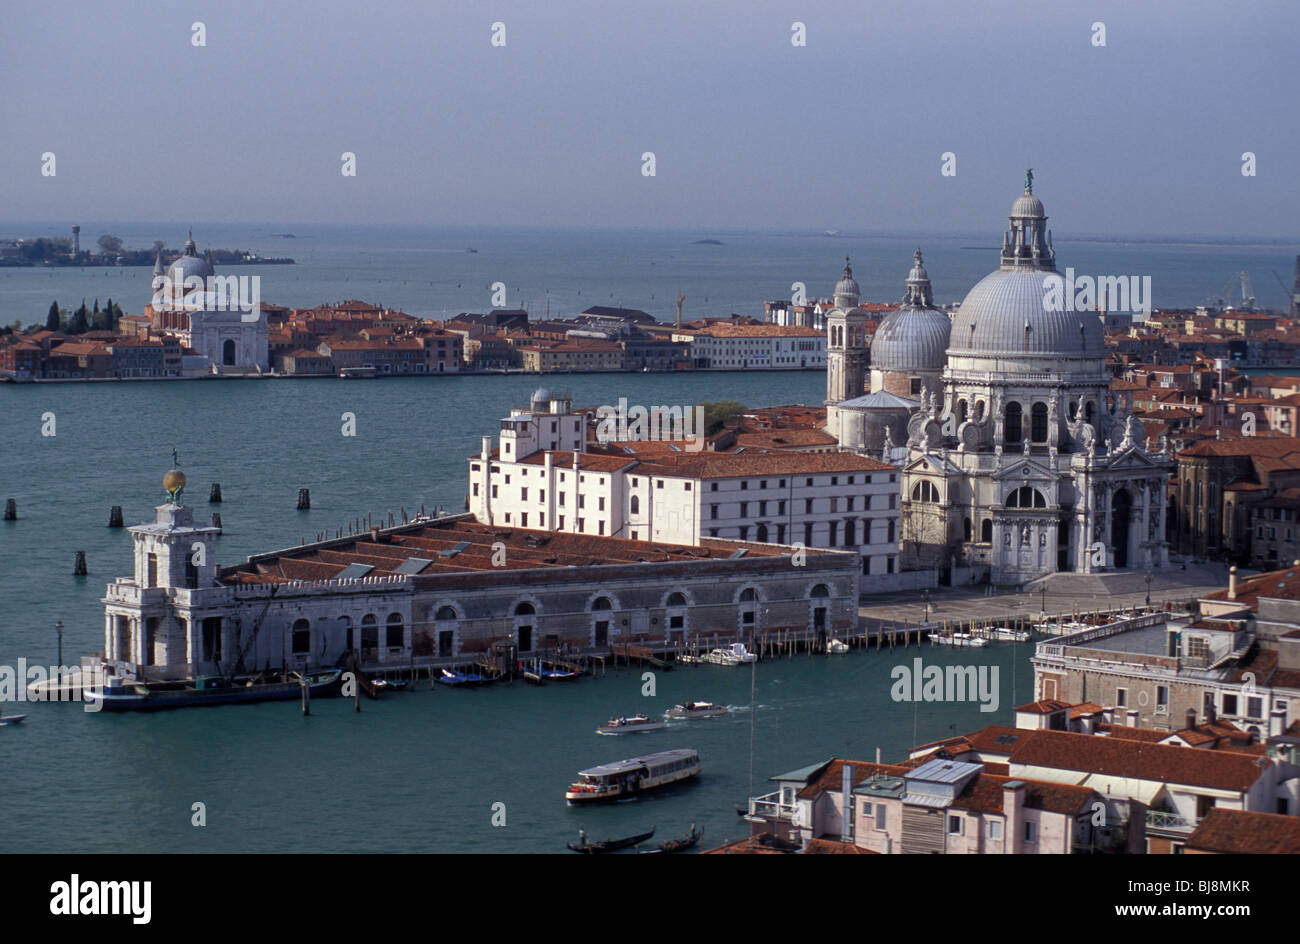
(1028, 205)
(847, 291)
(541, 396)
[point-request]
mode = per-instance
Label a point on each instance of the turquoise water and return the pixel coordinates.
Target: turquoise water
(417, 771)
(420, 771)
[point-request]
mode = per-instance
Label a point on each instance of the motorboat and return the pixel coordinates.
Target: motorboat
(630, 725)
(957, 639)
(836, 647)
(735, 654)
(695, 709)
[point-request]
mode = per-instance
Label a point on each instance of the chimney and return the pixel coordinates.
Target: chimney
(1013, 804)
(1232, 582)
(374, 532)
(846, 803)
(487, 447)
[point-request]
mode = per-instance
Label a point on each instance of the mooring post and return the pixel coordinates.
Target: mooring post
(306, 695)
(214, 494)
(11, 509)
(79, 565)
(304, 499)
(115, 516)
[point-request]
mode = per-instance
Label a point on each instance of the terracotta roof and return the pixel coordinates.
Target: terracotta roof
(1275, 584)
(1136, 759)
(587, 461)
(1238, 831)
(1248, 446)
(834, 847)
(1047, 706)
(781, 462)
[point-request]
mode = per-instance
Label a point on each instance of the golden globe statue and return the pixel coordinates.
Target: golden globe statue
(174, 483)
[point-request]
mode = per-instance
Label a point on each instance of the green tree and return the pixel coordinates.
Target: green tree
(110, 243)
(53, 320)
(79, 324)
(718, 412)
(111, 314)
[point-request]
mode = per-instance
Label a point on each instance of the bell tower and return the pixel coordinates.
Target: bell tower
(846, 342)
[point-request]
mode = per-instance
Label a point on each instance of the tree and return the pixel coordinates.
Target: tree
(111, 314)
(79, 323)
(110, 243)
(158, 246)
(54, 320)
(718, 412)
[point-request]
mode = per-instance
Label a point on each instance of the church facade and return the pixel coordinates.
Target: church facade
(1023, 463)
(211, 324)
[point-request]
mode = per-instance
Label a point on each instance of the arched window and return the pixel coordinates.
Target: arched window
(301, 637)
(986, 531)
(634, 506)
(1073, 408)
(821, 590)
(961, 412)
(1026, 496)
(1013, 432)
(747, 599)
(979, 411)
(1089, 410)
(369, 634)
(445, 613)
(349, 632)
(228, 353)
(394, 632)
(600, 603)
(1038, 423)
(524, 609)
(747, 595)
(924, 491)
(676, 599)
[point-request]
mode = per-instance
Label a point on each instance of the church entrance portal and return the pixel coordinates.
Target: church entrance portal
(1121, 510)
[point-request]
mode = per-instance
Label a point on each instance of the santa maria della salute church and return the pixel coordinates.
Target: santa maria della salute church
(1017, 459)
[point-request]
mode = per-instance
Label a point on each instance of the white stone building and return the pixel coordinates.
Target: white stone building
(1025, 464)
(725, 346)
(542, 476)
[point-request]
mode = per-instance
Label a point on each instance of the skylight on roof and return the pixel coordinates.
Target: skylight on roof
(353, 571)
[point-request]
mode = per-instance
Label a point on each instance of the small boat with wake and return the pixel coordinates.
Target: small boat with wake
(607, 845)
(695, 709)
(630, 725)
(12, 719)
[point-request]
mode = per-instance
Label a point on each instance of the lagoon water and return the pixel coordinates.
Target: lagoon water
(420, 771)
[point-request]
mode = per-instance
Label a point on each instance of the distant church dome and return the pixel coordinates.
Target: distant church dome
(1007, 312)
(914, 338)
(847, 292)
(189, 265)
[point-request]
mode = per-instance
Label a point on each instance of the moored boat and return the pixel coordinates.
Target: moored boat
(957, 639)
(464, 679)
(119, 694)
(634, 776)
(629, 725)
(735, 654)
(1008, 634)
(695, 709)
(836, 647)
(607, 845)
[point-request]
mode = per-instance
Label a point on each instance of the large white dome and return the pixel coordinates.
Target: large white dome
(1006, 313)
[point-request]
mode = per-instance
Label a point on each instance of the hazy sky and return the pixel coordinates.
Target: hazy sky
(1143, 136)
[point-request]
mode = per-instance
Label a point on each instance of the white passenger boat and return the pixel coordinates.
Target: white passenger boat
(630, 725)
(957, 639)
(695, 709)
(735, 654)
(1007, 634)
(836, 647)
(636, 775)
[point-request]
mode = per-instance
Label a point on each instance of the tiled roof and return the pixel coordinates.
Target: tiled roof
(1118, 757)
(1238, 831)
(781, 462)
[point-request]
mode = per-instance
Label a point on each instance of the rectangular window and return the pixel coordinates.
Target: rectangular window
(744, 509)
(954, 825)
(151, 574)
(659, 484)
(600, 504)
(523, 519)
(600, 527)
(582, 501)
(807, 506)
(581, 527)
(523, 494)
(807, 534)
(1229, 704)
(1255, 708)
(713, 486)
(995, 829)
(713, 511)
(301, 641)
(880, 816)
(1031, 832)
(744, 534)
(1121, 697)
(494, 491)
(476, 489)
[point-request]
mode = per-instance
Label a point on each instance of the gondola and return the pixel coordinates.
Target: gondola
(608, 845)
(677, 845)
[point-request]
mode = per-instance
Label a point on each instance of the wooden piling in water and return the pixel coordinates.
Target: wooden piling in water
(79, 565)
(304, 499)
(11, 510)
(216, 521)
(115, 516)
(214, 494)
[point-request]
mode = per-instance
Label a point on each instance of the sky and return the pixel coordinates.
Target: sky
(1141, 136)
